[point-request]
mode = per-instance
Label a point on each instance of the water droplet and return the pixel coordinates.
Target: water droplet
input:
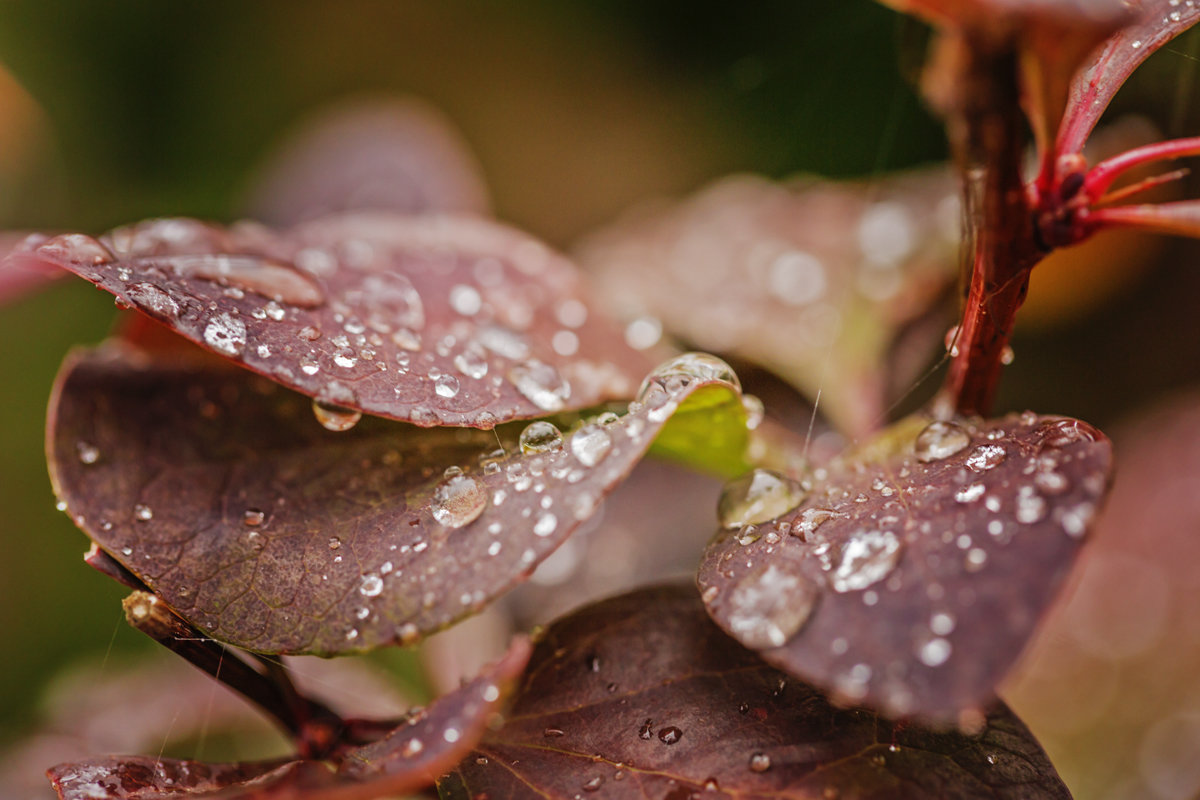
(88, 453)
(1031, 506)
(866, 558)
(1076, 520)
(334, 417)
(445, 385)
(678, 373)
(759, 496)
(451, 735)
(545, 524)
(540, 437)
(971, 493)
(760, 762)
(669, 734)
(458, 501)
(768, 606)
(412, 747)
(985, 457)
(941, 623)
(472, 362)
(370, 586)
(797, 278)
(465, 300)
(646, 731)
(553, 733)
(345, 359)
(643, 333)
(226, 334)
(253, 517)
(934, 652)
(151, 298)
(541, 384)
(809, 520)
(334, 543)
(590, 444)
(1064, 432)
(940, 440)
(143, 513)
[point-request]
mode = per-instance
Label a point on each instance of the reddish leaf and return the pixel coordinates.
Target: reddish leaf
(1157, 22)
(265, 530)
(912, 585)
(17, 279)
(397, 155)
(767, 273)
(642, 696)
(433, 320)
(412, 756)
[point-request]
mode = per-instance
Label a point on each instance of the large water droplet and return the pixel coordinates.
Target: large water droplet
(809, 520)
(678, 373)
(757, 497)
(335, 417)
(940, 440)
(151, 298)
(458, 501)
(226, 334)
(540, 437)
(768, 606)
(591, 444)
(541, 384)
(866, 558)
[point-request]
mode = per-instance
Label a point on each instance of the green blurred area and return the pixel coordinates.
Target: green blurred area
(576, 111)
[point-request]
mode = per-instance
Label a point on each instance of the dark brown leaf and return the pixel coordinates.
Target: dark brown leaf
(642, 696)
(396, 155)
(1157, 22)
(265, 530)
(767, 273)
(907, 581)
(412, 756)
(432, 320)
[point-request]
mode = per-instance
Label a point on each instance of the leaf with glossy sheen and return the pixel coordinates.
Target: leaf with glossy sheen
(394, 154)
(1157, 22)
(811, 280)
(223, 494)
(912, 585)
(642, 696)
(434, 320)
(409, 758)
(17, 280)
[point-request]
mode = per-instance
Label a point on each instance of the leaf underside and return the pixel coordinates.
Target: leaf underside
(222, 493)
(642, 696)
(911, 586)
(420, 748)
(435, 320)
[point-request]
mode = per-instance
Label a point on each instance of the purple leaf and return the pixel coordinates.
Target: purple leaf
(1157, 22)
(911, 576)
(222, 493)
(767, 273)
(432, 320)
(642, 696)
(397, 155)
(409, 758)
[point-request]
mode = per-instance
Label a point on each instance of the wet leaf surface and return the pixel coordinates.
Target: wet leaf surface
(432, 320)
(911, 576)
(767, 273)
(17, 280)
(1157, 22)
(398, 154)
(642, 696)
(412, 756)
(263, 529)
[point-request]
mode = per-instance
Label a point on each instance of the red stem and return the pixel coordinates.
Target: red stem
(992, 139)
(1101, 176)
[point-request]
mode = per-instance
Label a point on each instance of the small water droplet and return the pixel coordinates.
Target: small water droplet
(253, 517)
(594, 784)
(970, 493)
(940, 440)
(646, 731)
(458, 501)
(985, 457)
(669, 734)
(760, 762)
(643, 333)
(1031, 506)
(541, 384)
(334, 543)
(553, 733)
(809, 520)
(465, 300)
(759, 496)
(445, 385)
(545, 524)
(472, 362)
(590, 444)
(143, 513)
(866, 558)
(88, 453)
(934, 652)
(226, 334)
(540, 437)
(370, 586)
(151, 298)
(768, 606)
(941, 623)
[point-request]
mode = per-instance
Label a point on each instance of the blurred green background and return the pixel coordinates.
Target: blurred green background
(115, 111)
